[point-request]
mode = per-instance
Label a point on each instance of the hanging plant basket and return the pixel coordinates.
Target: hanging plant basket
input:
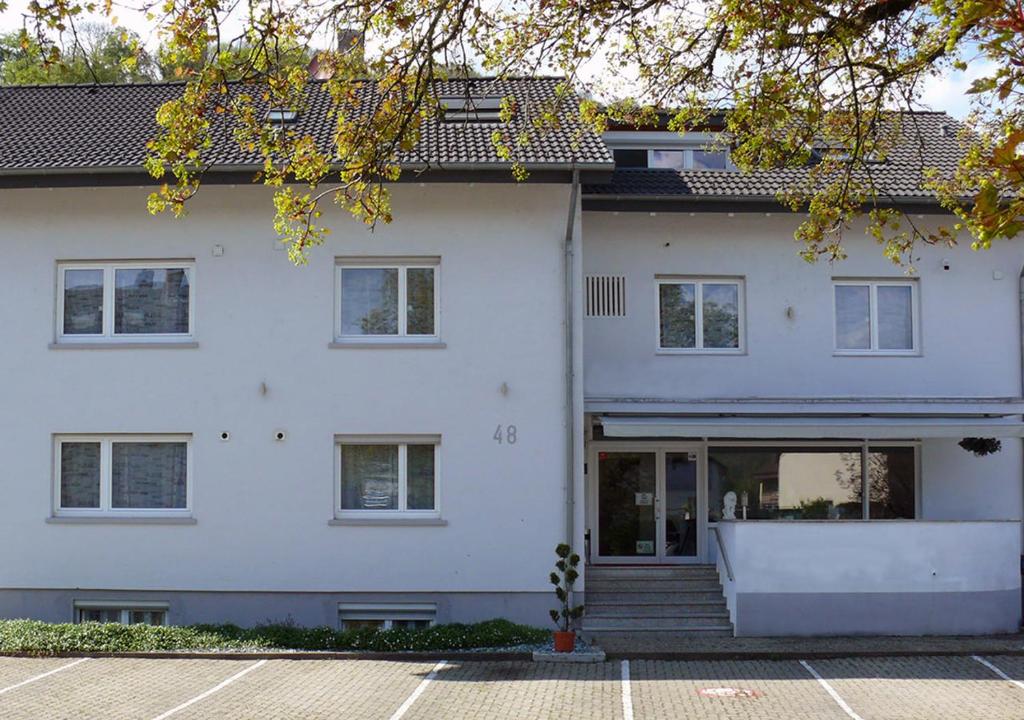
(981, 446)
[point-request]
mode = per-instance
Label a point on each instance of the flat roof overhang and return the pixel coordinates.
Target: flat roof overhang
(783, 427)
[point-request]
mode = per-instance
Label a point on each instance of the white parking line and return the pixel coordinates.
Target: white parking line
(998, 672)
(210, 692)
(828, 688)
(404, 708)
(40, 677)
(627, 693)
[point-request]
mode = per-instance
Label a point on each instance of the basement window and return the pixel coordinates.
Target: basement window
(377, 616)
(471, 108)
(130, 613)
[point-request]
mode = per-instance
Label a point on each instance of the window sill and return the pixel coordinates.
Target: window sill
(698, 353)
(116, 520)
(877, 353)
(387, 345)
(171, 345)
(389, 521)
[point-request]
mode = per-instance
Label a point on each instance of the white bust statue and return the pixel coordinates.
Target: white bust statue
(729, 506)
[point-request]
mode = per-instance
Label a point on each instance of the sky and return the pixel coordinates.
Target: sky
(946, 92)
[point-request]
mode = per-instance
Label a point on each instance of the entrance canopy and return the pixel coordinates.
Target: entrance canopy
(780, 426)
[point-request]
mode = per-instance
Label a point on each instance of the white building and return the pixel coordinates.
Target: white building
(401, 431)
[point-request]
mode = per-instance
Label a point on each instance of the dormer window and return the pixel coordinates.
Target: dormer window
(471, 108)
(673, 158)
(281, 115)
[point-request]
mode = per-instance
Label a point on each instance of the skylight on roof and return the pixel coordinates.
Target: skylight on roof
(470, 108)
(282, 115)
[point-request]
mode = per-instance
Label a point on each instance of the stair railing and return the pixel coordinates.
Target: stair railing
(723, 553)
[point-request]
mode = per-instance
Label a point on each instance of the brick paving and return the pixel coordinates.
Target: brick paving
(522, 691)
(922, 687)
(890, 688)
(114, 689)
(780, 689)
(314, 689)
(16, 670)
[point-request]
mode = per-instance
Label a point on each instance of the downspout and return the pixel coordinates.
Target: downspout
(1020, 290)
(570, 360)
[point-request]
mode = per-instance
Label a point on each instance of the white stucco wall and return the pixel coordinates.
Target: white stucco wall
(969, 320)
(263, 506)
(872, 557)
(956, 485)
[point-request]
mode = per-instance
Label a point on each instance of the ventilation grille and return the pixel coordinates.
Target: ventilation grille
(606, 295)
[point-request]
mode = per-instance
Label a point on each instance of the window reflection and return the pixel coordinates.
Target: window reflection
(797, 483)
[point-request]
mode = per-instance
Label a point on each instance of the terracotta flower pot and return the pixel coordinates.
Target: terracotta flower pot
(565, 641)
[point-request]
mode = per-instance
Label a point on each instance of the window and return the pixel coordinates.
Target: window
(471, 108)
(698, 157)
(103, 611)
(128, 302)
(122, 475)
(388, 301)
(388, 475)
(876, 317)
(697, 315)
(410, 616)
(814, 481)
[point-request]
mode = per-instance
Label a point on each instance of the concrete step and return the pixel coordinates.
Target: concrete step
(652, 585)
(636, 637)
(664, 572)
(660, 610)
(641, 595)
(649, 624)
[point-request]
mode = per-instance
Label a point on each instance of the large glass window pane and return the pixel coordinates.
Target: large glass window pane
(369, 301)
(671, 159)
(680, 505)
(83, 302)
(625, 504)
(420, 483)
(149, 475)
(369, 477)
(721, 306)
(678, 315)
(709, 160)
(799, 483)
(151, 301)
(79, 475)
(420, 301)
(891, 473)
(853, 317)
(895, 317)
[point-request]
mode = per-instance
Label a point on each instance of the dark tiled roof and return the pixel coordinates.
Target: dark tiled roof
(925, 146)
(87, 128)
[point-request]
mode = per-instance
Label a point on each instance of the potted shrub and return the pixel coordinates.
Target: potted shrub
(565, 617)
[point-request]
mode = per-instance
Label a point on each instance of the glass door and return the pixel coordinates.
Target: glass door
(680, 506)
(627, 523)
(649, 505)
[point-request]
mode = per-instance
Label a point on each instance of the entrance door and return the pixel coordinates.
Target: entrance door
(649, 505)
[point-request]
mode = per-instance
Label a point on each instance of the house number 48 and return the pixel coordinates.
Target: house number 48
(505, 434)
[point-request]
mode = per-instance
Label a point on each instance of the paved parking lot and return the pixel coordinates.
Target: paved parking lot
(991, 687)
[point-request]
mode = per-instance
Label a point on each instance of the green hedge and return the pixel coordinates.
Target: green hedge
(29, 636)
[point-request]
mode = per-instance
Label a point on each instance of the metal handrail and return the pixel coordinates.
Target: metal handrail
(725, 555)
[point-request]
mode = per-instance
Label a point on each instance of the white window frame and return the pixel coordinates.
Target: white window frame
(105, 510)
(125, 608)
(389, 613)
(873, 285)
(403, 442)
(699, 282)
(402, 265)
(109, 269)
